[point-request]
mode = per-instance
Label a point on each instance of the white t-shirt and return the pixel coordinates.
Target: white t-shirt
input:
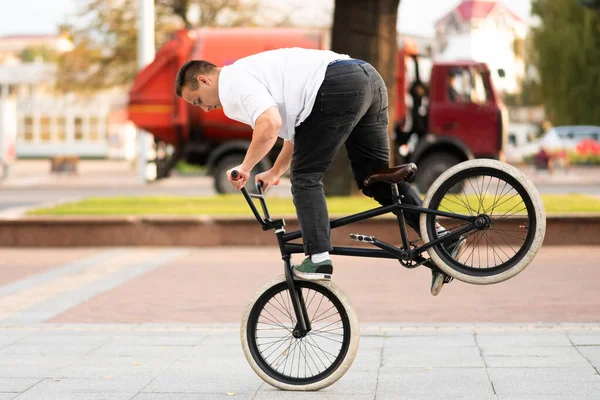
(286, 78)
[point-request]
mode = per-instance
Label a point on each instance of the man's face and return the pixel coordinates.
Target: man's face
(205, 97)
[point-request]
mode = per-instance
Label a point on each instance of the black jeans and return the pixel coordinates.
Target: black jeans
(352, 109)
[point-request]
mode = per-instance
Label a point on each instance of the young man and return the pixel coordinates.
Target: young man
(316, 101)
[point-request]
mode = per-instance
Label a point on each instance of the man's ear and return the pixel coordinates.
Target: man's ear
(203, 79)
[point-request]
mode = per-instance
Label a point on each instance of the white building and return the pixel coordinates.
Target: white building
(52, 124)
(485, 31)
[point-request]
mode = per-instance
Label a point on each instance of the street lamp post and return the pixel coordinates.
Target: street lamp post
(146, 53)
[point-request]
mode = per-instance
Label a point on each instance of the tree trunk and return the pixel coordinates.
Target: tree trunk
(365, 30)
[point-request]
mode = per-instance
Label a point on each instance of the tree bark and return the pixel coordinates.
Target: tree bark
(365, 30)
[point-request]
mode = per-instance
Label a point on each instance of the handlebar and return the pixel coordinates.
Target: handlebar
(265, 222)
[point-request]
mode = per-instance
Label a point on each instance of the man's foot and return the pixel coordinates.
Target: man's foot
(438, 278)
(454, 246)
(437, 281)
(311, 271)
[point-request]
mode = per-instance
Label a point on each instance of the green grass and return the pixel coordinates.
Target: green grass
(236, 205)
(189, 169)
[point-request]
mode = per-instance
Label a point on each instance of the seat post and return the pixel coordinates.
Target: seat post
(395, 193)
(400, 215)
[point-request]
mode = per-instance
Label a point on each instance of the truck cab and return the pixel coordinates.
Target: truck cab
(459, 117)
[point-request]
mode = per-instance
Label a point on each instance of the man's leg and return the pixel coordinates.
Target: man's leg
(339, 106)
(369, 150)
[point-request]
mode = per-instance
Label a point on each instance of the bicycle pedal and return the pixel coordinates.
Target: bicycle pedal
(359, 237)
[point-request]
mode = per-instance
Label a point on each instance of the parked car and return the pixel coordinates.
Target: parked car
(565, 138)
(519, 135)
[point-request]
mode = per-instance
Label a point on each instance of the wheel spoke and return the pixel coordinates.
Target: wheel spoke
(285, 307)
(507, 200)
(282, 342)
(277, 323)
(326, 353)
(476, 195)
(463, 204)
(501, 231)
(327, 326)
(319, 306)
(502, 194)
(318, 318)
(325, 337)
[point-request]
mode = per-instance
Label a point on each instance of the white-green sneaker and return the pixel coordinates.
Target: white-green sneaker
(311, 271)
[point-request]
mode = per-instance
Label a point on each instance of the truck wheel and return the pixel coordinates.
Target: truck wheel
(433, 166)
(161, 159)
(4, 170)
(219, 175)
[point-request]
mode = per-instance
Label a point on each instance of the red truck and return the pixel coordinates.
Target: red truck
(455, 117)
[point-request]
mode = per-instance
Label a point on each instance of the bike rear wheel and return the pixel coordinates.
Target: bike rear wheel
(510, 206)
(312, 362)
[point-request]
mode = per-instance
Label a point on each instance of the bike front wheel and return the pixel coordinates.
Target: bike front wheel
(511, 221)
(312, 362)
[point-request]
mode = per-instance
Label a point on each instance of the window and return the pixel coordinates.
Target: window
(61, 129)
(28, 129)
(94, 129)
(45, 129)
(479, 92)
(466, 86)
(78, 129)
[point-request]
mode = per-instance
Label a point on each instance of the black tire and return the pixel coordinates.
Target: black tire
(510, 206)
(431, 167)
(219, 173)
(328, 350)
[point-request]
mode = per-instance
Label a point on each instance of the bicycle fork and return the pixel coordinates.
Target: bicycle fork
(302, 320)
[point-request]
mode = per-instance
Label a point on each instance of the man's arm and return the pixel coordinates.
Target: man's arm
(264, 137)
(284, 159)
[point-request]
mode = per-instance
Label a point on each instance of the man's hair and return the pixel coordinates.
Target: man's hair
(188, 74)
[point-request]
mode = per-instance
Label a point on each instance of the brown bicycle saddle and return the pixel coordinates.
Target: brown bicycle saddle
(399, 174)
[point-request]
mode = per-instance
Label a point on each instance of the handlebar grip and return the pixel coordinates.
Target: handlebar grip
(235, 175)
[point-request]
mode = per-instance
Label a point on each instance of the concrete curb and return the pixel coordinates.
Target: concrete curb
(199, 231)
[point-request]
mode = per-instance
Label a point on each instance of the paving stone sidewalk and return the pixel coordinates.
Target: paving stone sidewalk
(395, 361)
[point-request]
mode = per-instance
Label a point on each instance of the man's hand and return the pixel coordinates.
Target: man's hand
(243, 177)
(268, 179)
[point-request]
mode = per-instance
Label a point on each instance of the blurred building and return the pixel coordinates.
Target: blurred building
(485, 31)
(12, 46)
(51, 123)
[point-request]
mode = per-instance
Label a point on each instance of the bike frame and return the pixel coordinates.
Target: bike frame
(405, 254)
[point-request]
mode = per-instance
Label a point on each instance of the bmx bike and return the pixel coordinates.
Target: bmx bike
(304, 335)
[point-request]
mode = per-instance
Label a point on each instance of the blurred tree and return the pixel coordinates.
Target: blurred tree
(566, 56)
(530, 94)
(105, 49)
(594, 4)
(365, 30)
(38, 53)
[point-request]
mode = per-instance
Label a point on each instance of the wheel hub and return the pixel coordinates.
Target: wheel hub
(298, 334)
(483, 222)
